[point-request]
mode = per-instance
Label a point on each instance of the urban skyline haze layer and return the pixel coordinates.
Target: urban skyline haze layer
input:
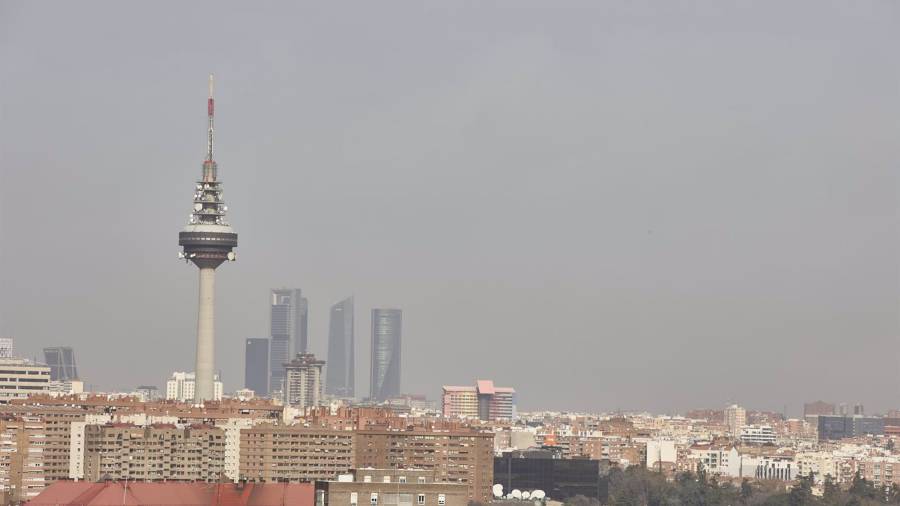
(669, 210)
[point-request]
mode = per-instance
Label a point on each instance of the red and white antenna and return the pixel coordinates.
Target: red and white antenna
(210, 111)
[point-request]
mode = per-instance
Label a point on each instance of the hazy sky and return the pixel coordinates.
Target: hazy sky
(606, 205)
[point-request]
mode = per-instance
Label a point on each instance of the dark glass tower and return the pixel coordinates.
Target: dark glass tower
(256, 365)
(386, 353)
(340, 378)
(288, 325)
(61, 360)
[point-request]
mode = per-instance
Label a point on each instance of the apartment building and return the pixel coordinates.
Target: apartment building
(21, 458)
(483, 401)
(157, 452)
(458, 455)
(294, 453)
(403, 487)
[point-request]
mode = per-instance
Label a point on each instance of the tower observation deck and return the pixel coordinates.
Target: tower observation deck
(207, 241)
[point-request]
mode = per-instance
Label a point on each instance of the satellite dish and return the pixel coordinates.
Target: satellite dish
(526, 495)
(538, 494)
(497, 490)
(198, 206)
(231, 256)
(516, 493)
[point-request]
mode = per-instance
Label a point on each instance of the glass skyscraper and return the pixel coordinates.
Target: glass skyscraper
(340, 378)
(386, 353)
(289, 322)
(256, 365)
(61, 360)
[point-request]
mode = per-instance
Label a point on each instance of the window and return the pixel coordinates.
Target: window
(374, 499)
(354, 498)
(386, 479)
(421, 499)
(401, 479)
(367, 479)
(442, 500)
(421, 479)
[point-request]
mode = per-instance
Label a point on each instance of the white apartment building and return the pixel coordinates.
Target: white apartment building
(180, 387)
(735, 418)
(303, 381)
(754, 434)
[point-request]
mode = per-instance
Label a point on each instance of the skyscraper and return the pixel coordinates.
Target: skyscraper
(207, 240)
(340, 372)
(386, 353)
(256, 365)
(288, 324)
(61, 360)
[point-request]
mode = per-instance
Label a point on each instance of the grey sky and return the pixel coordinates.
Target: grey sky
(636, 205)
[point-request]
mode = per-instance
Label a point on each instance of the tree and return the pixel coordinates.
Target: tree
(746, 491)
(801, 492)
(861, 488)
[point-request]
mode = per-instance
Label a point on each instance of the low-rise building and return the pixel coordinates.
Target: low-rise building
(390, 487)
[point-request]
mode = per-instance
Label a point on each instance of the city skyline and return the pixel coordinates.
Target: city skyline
(611, 191)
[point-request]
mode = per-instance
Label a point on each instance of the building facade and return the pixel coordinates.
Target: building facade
(406, 487)
(757, 434)
(278, 453)
(6, 347)
(22, 475)
(256, 365)
(288, 328)
(20, 378)
(304, 385)
(61, 360)
(483, 401)
(180, 387)
(386, 353)
(460, 455)
(153, 453)
(340, 374)
(735, 418)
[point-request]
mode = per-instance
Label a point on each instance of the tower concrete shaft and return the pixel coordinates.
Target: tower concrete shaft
(207, 241)
(206, 331)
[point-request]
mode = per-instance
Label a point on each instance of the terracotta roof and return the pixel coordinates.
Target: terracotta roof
(64, 493)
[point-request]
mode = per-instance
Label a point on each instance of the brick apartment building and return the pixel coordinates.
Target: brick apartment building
(459, 455)
(295, 453)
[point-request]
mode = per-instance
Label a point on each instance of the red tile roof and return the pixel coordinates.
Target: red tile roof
(63, 493)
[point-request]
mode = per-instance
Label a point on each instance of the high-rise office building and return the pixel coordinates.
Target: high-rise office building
(340, 372)
(303, 385)
(61, 360)
(256, 365)
(288, 325)
(386, 353)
